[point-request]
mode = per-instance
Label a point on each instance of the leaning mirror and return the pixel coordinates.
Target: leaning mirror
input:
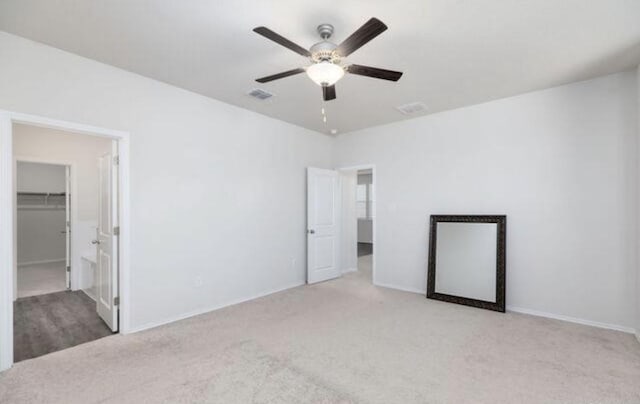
(467, 260)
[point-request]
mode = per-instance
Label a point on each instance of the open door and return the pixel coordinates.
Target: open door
(107, 240)
(323, 224)
(67, 226)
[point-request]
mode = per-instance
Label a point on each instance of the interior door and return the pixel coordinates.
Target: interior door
(107, 240)
(67, 228)
(323, 224)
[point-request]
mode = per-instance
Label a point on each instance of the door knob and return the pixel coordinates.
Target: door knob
(95, 241)
(312, 231)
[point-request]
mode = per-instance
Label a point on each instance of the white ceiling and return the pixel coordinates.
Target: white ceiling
(452, 52)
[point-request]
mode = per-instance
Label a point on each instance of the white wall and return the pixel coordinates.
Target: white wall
(38, 230)
(560, 163)
(365, 178)
(38, 177)
(39, 237)
(365, 230)
(199, 239)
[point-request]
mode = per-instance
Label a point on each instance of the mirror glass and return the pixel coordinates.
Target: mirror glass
(466, 260)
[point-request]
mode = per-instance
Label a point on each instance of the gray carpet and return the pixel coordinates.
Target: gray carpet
(47, 323)
(341, 341)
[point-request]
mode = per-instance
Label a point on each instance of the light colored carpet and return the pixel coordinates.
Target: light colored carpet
(341, 341)
(40, 279)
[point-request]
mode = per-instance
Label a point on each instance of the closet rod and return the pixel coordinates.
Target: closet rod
(42, 193)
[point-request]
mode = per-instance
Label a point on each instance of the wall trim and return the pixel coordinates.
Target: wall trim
(402, 288)
(22, 264)
(210, 309)
(6, 241)
(88, 295)
(346, 271)
(571, 319)
(536, 313)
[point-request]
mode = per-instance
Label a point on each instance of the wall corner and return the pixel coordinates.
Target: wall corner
(637, 322)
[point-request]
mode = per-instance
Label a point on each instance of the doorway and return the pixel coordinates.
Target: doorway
(42, 228)
(365, 212)
(358, 212)
(90, 300)
(51, 312)
(341, 226)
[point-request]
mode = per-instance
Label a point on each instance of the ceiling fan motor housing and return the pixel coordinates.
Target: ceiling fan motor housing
(325, 51)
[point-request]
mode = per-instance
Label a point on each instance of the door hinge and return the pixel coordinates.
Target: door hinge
(116, 160)
(68, 269)
(116, 301)
(116, 231)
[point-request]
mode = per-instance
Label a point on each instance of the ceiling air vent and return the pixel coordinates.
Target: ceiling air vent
(412, 108)
(260, 94)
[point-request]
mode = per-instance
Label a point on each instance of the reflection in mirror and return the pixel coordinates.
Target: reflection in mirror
(467, 260)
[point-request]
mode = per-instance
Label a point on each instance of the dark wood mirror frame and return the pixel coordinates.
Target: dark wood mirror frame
(501, 253)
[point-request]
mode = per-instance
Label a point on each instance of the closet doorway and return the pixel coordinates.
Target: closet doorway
(43, 221)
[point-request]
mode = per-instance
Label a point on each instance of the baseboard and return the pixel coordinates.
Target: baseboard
(535, 313)
(572, 319)
(205, 310)
(521, 310)
(402, 288)
(346, 271)
(87, 293)
(22, 264)
(638, 335)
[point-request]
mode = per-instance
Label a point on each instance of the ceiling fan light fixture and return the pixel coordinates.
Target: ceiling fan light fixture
(327, 57)
(325, 73)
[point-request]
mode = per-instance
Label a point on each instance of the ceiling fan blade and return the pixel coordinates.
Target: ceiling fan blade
(280, 75)
(267, 33)
(374, 72)
(364, 34)
(329, 92)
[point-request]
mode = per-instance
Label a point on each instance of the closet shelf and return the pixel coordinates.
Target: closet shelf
(41, 200)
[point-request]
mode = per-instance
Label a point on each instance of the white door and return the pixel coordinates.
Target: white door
(323, 224)
(67, 228)
(107, 241)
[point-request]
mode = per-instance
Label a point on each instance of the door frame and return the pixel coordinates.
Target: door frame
(7, 257)
(374, 181)
(73, 275)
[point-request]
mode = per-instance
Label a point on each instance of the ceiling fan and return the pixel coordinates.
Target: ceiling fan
(326, 57)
